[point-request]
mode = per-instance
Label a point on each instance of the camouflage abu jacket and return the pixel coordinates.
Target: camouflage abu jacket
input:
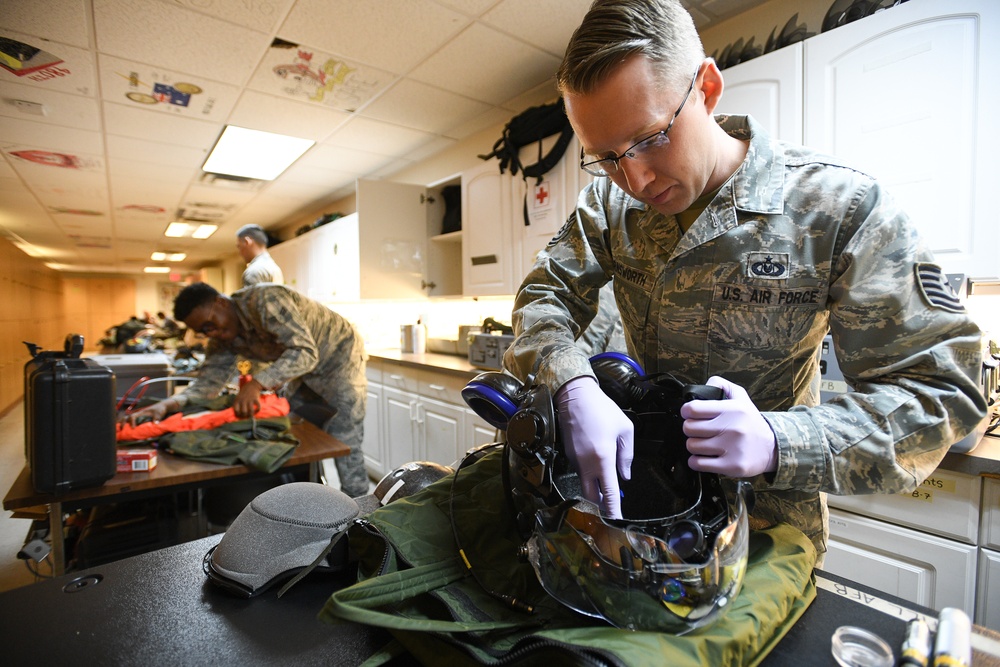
(302, 339)
(793, 245)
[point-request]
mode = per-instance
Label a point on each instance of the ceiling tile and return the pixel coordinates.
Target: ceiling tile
(486, 65)
(129, 148)
(118, 167)
(345, 160)
(258, 111)
(31, 134)
(168, 36)
(468, 7)
(531, 21)
(140, 123)
(60, 20)
(262, 15)
(58, 108)
(322, 79)
(365, 134)
(72, 70)
(155, 89)
(387, 34)
(417, 105)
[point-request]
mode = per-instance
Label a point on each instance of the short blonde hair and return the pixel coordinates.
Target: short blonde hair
(615, 30)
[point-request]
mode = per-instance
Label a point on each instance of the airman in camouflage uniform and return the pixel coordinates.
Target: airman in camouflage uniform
(317, 352)
(791, 245)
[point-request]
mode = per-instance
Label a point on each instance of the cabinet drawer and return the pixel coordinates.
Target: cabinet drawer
(915, 566)
(400, 377)
(373, 371)
(989, 531)
(947, 503)
(441, 387)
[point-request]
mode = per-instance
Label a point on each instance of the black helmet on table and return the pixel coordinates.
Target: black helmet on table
(408, 479)
(676, 560)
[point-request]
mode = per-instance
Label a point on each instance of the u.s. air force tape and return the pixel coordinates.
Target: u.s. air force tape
(935, 288)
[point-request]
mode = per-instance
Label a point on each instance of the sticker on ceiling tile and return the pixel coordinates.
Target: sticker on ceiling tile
(74, 211)
(23, 59)
(161, 90)
(91, 241)
(325, 79)
(54, 159)
(143, 208)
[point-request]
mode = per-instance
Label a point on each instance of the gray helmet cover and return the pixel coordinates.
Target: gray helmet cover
(292, 528)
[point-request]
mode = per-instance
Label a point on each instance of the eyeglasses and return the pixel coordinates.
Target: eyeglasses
(658, 140)
(208, 327)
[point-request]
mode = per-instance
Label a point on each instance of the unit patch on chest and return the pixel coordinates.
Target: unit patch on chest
(768, 296)
(768, 265)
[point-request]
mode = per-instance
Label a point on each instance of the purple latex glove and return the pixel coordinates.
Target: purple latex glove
(729, 437)
(598, 439)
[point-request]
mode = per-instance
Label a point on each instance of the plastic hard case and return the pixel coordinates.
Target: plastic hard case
(69, 419)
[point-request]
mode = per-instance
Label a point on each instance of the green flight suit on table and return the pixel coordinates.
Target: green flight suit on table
(794, 244)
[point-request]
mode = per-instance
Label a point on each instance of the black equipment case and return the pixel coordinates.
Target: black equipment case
(69, 419)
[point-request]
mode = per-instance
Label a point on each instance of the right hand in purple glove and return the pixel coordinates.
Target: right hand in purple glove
(598, 439)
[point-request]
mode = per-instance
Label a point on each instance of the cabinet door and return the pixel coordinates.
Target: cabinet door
(915, 566)
(400, 435)
(442, 426)
(488, 252)
(293, 258)
(478, 431)
(392, 224)
(334, 261)
(548, 202)
(769, 88)
(909, 95)
(988, 597)
(372, 446)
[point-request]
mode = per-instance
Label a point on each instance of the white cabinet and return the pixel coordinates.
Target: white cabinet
(323, 263)
(373, 444)
(988, 596)
(548, 203)
(399, 433)
(424, 416)
(392, 233)
(478, 431)
(488, 252)
(909, 95)
(912, 565)
(769, 88)
(946, 504)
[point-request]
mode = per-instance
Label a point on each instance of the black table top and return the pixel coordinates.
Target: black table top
(160, 609)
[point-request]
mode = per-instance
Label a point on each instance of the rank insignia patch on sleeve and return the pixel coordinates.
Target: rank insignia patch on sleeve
(935, 288)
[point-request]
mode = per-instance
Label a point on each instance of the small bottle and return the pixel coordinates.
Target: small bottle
(953, 644)
(916, 650)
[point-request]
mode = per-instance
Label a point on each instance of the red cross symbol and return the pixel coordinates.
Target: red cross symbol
(542, 194)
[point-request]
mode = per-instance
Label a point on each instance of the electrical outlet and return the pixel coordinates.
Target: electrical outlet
(36, 550)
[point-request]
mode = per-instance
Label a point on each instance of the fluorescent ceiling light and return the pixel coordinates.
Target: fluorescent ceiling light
(156, 269)
(194, 230)
(254, 154)
(168, 256)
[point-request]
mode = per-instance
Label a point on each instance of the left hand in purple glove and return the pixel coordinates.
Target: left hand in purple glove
(729, 437)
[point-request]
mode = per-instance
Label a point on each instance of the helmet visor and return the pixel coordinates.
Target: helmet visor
(636, 580)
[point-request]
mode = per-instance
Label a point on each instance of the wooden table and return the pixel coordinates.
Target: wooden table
(172, 474)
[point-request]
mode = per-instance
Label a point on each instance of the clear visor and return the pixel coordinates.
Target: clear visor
(638, 581)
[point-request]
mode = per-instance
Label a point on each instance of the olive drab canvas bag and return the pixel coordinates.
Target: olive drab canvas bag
(531, 127)
(440, 570)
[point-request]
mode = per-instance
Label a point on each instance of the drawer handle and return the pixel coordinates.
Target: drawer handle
(484, 259)
(397, 378)
(436, 387)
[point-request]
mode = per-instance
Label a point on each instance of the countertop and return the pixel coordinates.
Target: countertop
(983, 460)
